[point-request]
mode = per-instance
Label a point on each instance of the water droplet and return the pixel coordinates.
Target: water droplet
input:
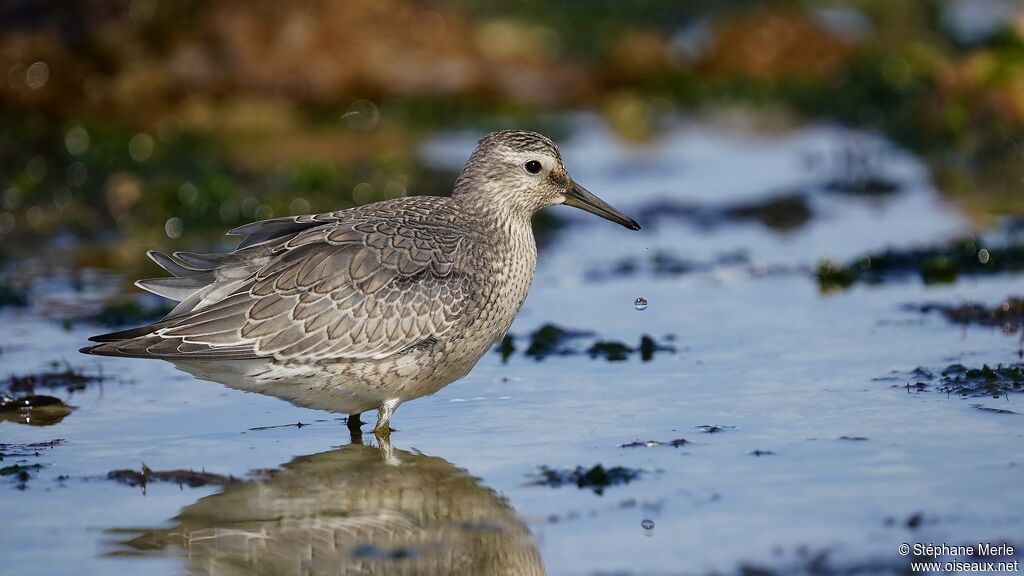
(647, 524)
(640, 303)
(983, 256)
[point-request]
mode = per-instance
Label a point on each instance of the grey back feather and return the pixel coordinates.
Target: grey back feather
(353, 284)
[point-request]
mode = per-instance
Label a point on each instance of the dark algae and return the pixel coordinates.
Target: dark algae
(610, 350)
(12, 296)
(29, 449)
(21, 403)
(677, 443)
(553, 340)
(985, 381)
(20, 474)
(664, 264)
(1009, 314)
(69, 378)
(32, 409)
(130, 312)
(596, 478)
(940, 264)
(714, 428)
(190, 478)
(781, 213)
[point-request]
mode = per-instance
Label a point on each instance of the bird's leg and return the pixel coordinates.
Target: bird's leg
(384, 416)
(354, 422)
(355, 431)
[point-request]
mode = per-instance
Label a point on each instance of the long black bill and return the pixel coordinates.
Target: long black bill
(580, 197)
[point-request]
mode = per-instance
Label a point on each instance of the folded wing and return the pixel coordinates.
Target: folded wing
(360, 288)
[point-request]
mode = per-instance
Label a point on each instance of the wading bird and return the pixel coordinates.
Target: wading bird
(368, 307)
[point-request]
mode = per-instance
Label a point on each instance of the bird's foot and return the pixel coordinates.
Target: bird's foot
(383, 417)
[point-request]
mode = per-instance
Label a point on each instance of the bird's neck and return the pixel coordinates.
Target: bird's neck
(507, 221)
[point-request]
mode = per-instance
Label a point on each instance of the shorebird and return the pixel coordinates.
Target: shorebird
(368, 307)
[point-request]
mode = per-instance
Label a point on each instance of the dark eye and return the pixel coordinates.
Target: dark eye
(532, 166)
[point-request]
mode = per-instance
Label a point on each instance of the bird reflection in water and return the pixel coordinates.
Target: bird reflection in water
(359, 509)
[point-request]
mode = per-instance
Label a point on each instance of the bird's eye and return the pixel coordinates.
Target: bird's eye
(533, 166)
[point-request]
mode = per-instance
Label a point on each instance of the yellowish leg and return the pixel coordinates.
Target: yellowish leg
(384, 417)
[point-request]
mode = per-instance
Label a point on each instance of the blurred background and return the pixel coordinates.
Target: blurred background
(149, 117)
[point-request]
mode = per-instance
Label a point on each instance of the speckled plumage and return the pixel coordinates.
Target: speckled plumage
(367, 307)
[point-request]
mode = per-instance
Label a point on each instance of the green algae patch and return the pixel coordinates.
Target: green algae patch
(20, 474)
(21, 402)
(985, 381)
(553, 340)
(70, 379)
(1008, 314)
(34, 410)
(130, 312)
(780, 213)
(941, 264)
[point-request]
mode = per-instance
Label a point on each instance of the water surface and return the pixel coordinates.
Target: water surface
(815, 384)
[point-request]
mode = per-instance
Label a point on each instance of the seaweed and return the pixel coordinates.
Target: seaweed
(863, 185)
(506, 348)
(553, 340)
(20, 473)
(783, 212)
(190, 478)
(992, 410)
(940, 264)
(984, 381)
(130, 312)
(596, 478)
(713, 428)
(29, 449)
(611, 351)
(663, 264)
(1009, 314)
(676, 443)
(69, 378)
(12, 296)
(34, 410)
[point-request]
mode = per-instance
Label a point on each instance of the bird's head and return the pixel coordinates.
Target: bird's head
(523, 171)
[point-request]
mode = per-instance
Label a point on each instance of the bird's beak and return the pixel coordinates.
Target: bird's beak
(579, 197)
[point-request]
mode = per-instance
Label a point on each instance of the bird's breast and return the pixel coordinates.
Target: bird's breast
(504, 283)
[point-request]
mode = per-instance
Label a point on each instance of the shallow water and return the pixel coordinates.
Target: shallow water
(782, 368)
